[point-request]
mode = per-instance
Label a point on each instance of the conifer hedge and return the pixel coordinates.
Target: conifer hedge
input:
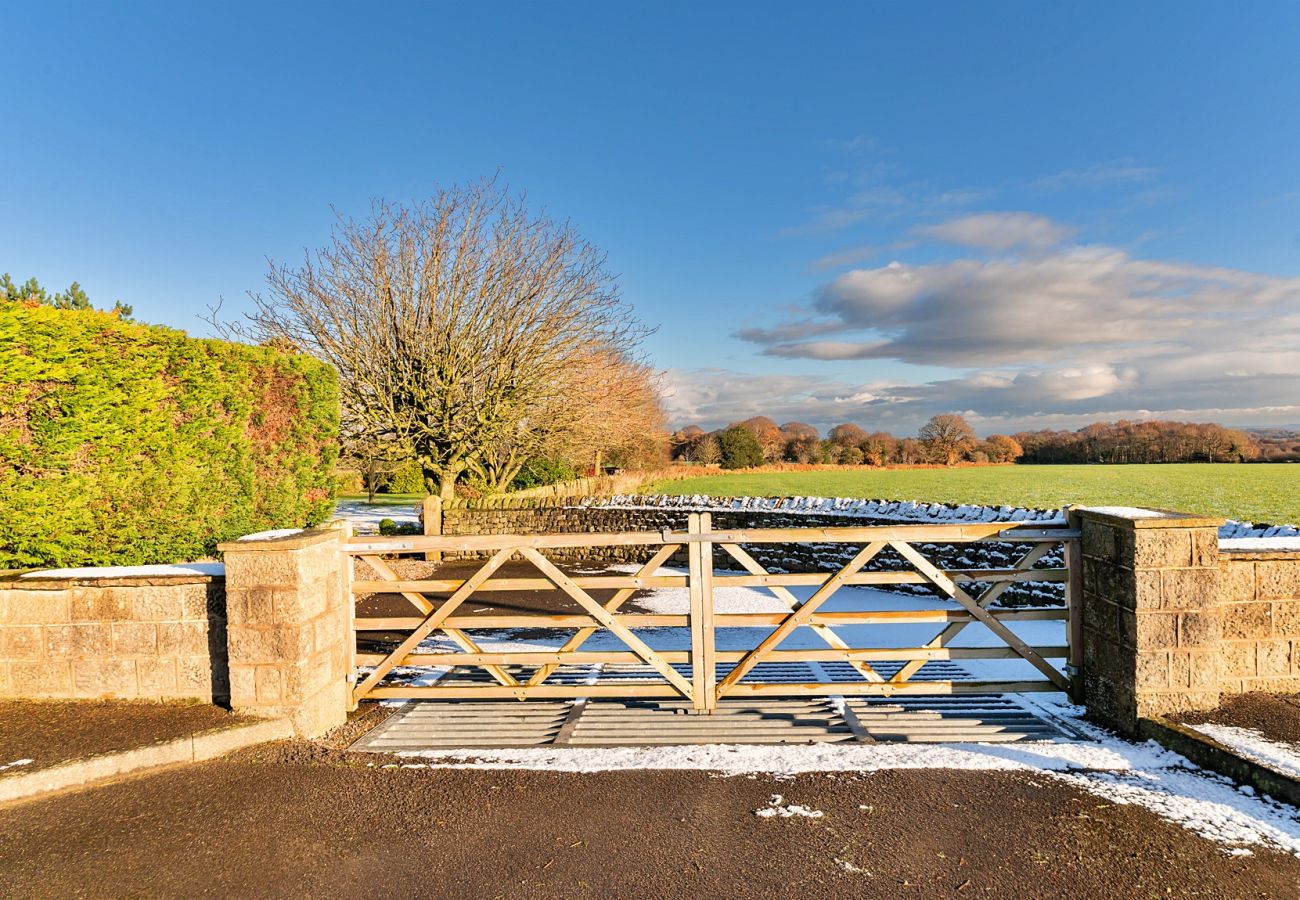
(123, 444)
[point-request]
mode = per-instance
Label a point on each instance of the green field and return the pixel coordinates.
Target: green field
(1255, 493)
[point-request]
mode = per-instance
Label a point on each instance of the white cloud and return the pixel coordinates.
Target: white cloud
(999, 231)
(1083, 304)
(1066, 333)
(993, 401)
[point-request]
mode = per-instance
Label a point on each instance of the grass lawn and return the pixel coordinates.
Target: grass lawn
(391, 499)
(1257, 493)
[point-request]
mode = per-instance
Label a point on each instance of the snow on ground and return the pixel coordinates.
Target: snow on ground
(1110, 768)
(1280, 756)
(131, 571)
(365, 516)
(1131, 512)
(1260, 544)
(778, 808)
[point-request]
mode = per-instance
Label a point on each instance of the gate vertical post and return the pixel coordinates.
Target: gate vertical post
(703, 666)
(1073, 553)
(350, 635)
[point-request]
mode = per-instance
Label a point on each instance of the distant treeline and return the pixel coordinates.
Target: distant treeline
(1140, 442)
(949, 439)
(1277, 444)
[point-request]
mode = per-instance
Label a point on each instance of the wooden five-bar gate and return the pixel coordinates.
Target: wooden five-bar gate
(703, 674)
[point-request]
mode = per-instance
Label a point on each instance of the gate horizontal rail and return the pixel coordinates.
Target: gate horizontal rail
(693, 674)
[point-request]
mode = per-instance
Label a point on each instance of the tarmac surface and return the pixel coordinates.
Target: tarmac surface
(297, 819)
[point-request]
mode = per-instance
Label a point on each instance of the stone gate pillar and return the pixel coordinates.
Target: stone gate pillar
(287, 624)
(1150, 619)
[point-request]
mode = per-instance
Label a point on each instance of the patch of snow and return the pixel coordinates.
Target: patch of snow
(16, 763)
(1103, 765)
(777, 807)
(1129, 512)
(365, 516)
(1260, 544)
(131, 571)
(272, 534)
(1277, 755)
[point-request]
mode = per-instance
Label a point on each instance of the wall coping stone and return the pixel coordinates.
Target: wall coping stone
(1148, 518)
(309, 538)
(16, 582)
(1242, 553)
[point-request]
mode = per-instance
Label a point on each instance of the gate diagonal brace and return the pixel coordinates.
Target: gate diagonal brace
(431, 622)
(945, 584)
(599, 613)
(990, 594)
(421, 603)
(611, 606)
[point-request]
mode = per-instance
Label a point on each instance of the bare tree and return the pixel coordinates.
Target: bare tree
(453, 323)
(946, 437)
(608, 407)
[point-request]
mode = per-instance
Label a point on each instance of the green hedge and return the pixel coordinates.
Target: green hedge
(123, 443)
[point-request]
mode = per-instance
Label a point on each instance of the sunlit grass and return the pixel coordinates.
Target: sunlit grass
(1257, 493)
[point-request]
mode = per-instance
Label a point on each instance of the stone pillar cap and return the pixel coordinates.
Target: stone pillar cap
(1141, 517)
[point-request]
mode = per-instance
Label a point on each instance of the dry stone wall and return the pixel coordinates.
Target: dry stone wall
(547, 515)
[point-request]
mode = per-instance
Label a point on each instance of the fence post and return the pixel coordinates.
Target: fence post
(703, 657)
(432, 525)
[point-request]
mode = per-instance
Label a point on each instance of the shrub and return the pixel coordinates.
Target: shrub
(408, 478)
(348, 481)
(538, 472)
(123, 443)
(740, 449)
(388, 528)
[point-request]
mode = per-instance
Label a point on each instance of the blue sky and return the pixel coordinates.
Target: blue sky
(1035, 214)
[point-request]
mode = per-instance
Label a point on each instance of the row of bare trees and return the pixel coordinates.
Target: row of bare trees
(470, 335)
(1140, 442)
(949, 439)
(945, 439)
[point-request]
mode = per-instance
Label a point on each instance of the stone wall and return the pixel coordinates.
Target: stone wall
(154, 637)
(1259, 617)
(270, 637)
